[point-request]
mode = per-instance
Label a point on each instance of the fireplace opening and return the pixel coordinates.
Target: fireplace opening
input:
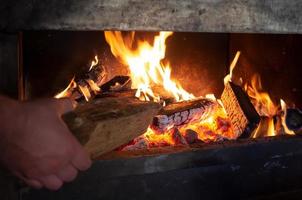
(213, 87)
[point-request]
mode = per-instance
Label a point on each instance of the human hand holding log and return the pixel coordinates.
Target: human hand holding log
(36, 145)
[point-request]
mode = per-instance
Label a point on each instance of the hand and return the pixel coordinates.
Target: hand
(36, 144)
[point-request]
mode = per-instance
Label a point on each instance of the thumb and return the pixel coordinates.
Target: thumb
(64, 105)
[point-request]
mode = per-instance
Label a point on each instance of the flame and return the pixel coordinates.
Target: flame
(283, 117)
(261, 99)
(263, 105)
(66, 91)
(147, 71)
(94, 62)
(228, 77)
(94, 87)
(84, 89)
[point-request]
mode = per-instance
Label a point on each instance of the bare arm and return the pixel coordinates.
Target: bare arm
(36, 145)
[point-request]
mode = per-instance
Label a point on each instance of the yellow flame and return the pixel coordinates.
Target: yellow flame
(283, 117)
(94, 87)
(271, 128)
(261, 99)
(263, 104)
(94, 62)
(85, 92)
(65, 92)
(147, 70)
(228, 77)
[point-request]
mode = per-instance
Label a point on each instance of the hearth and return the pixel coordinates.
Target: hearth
(228, 86)
(192, 128)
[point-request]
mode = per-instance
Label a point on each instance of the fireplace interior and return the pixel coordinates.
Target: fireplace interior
(262, 163)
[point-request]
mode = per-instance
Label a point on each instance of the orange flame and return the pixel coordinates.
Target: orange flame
(261, 99)
(283, 117)
(94, 62)
(147, 70)
(66, 91)
(229, 76)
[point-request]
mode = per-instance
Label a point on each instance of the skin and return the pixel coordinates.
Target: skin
(36, 144)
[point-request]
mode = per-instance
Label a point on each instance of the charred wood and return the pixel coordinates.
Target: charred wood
(116, 84)
(177, 138)
(294, 120)
(191, 136)
(180, 113)
(241, 112)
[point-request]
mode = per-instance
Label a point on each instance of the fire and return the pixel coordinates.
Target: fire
(283, 117)
(147, 70)
(66, 91)
(267, 109)
(94, 63)
(151, 78)
(229, 76)
(87, 87)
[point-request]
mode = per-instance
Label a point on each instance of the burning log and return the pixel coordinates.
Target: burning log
(116, 84)
(294, 120)
(104, 124)
(177, 114)
(241, 112)
(177, 138)
(85, 85)
(191, 136)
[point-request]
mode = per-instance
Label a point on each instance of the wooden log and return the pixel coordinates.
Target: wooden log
(294, 120)
(180, 113)
(177, 138)
(104, 124)
(87, 82)
(117, 83)
(191, 136)
(241, 112)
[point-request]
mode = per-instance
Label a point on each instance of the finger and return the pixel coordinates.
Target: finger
(67, 173)
(33, 183)
(30, 182)
(64, 105)
(51, 182)
(81, 159)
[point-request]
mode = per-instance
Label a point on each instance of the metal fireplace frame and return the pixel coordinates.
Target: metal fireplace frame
(216, 171)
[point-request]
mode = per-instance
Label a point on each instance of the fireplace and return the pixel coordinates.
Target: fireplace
(209, 164)
(201, 62)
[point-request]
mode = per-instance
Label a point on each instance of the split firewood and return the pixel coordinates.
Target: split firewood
(241, 112)
(294, 120)
(180, 113)
(103, 124)
(86, 84)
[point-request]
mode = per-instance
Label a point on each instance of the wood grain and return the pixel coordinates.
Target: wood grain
(107, 123)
